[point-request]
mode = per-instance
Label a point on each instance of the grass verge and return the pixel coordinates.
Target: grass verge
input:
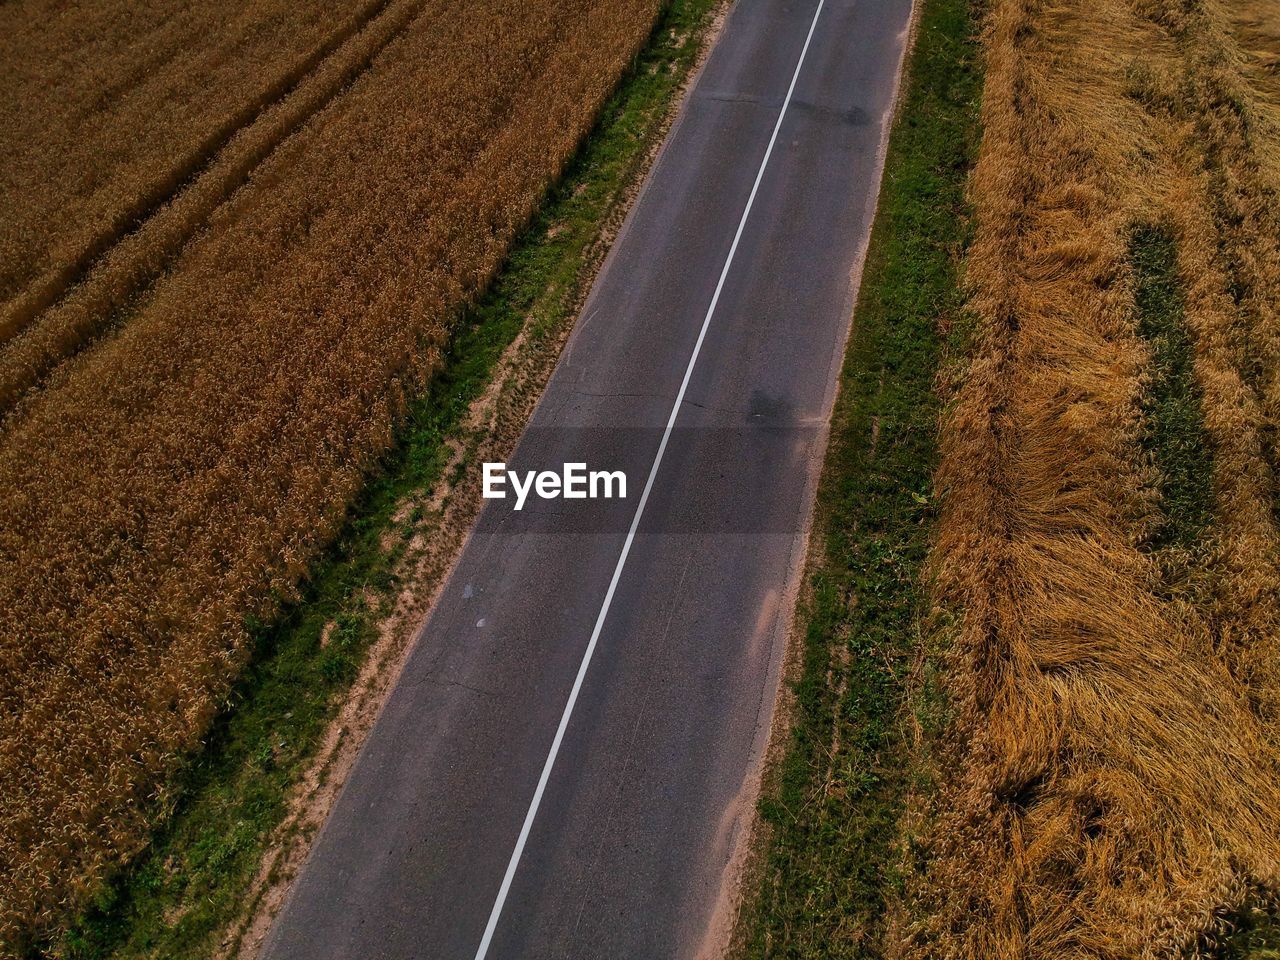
(833, 808)
(180, 895)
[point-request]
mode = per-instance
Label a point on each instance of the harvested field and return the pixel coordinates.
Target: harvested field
(1108, 537)
(175, 475)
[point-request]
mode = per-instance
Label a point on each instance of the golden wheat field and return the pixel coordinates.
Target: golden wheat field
(1111, 786)
(215, 303)
(107, 110)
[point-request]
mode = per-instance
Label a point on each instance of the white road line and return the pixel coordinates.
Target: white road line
(496, 913)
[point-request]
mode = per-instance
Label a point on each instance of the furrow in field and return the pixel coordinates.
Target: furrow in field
(120, 277)
(32, 278)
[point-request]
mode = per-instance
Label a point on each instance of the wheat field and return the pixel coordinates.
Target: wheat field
(1111, 781)
(194, 398)
(107, 108)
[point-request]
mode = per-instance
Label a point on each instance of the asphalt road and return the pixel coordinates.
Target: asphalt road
(481, 811)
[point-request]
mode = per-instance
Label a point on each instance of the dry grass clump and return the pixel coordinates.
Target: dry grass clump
(179, 475)
(1257, 27)
(1114, 780)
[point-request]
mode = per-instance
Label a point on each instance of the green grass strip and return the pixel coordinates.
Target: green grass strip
(833, 812)
(179, 896)
(1175, 434)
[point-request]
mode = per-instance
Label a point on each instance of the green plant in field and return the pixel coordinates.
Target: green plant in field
(1172, 404)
